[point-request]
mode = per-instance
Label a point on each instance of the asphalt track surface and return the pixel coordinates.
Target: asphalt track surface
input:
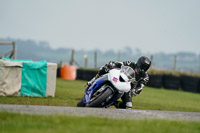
(101, 112)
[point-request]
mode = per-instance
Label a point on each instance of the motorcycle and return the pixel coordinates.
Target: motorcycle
(108, 88)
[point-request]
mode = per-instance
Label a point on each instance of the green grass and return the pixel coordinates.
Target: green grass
(162, 99)
(20, 123)
(69, 92)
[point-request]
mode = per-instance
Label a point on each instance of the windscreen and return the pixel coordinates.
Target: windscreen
(128, 71)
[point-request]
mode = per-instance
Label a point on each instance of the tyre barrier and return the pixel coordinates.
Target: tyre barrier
(171, 82)
(79, 74)
(58, 72)
(191, 84)
(89, 75)
(155, 81)
(86, 74)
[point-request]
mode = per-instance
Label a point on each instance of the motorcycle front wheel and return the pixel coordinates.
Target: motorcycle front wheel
(101, 98)
(81, 103)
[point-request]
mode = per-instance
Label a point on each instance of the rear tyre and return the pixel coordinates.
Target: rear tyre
(100, 99)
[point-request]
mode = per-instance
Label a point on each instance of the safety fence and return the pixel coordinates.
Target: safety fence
(185, 83)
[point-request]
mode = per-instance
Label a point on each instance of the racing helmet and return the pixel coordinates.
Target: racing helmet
(143, 64)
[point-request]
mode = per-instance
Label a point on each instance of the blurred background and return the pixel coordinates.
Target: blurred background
(91, 33)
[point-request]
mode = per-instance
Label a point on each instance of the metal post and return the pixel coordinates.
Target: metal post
(199, 63)
(72, 58)
(14, 50)
(174, 69)
(86, 60)
(151, 58)
(12, 53)
(119, 56)
(95, 59)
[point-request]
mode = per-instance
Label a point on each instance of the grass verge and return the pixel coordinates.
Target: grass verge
(19, 123)
(69, 92)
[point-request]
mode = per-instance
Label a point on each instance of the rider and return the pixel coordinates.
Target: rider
(140, 67)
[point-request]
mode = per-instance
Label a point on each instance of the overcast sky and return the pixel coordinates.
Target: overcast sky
(151, 25)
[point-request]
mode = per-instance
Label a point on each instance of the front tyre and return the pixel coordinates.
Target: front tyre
(81, 103)
(98, 101)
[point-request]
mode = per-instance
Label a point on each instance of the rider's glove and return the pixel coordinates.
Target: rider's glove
(135, 91)
(138, 90)
(110, 65)
(132, 93)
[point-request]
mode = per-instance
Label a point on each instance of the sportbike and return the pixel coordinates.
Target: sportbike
(111, 86)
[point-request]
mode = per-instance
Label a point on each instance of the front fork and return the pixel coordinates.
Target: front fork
(88, 93)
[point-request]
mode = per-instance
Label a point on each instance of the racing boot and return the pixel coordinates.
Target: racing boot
(129, 105)
(126, 102)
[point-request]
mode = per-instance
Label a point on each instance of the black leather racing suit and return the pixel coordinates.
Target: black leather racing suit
(143, 78)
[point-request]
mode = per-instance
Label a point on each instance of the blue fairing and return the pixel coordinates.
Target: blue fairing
(88, 93)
